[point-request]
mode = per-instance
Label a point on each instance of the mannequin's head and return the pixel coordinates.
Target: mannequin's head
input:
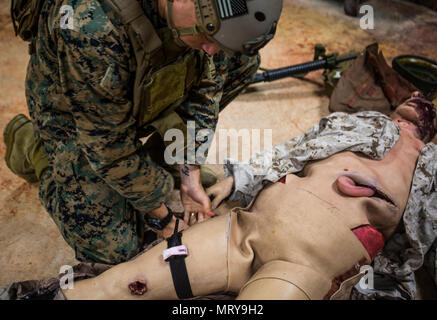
(422, 113)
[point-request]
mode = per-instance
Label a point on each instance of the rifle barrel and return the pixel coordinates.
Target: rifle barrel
(281, 73)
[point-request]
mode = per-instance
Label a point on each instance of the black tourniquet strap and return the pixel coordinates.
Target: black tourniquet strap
(178, 268)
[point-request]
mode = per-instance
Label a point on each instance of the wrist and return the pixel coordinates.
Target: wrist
(163, 221)
(171, 224)
(190, 174)
(158, 213)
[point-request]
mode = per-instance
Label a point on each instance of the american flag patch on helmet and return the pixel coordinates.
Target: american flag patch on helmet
(232, 8)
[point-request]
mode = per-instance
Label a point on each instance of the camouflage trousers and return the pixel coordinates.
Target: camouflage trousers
(96, 221)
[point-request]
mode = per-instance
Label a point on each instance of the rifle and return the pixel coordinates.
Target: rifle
(300, 70)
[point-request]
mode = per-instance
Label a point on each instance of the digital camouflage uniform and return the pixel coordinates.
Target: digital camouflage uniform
(101, 180)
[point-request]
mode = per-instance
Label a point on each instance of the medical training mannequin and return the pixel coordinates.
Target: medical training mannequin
(296, 239)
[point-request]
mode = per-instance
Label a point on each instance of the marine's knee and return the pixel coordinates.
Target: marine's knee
(112, 253)
(109, 233)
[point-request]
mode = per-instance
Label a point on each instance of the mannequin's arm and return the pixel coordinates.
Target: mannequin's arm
(271, 289)
(281, 280)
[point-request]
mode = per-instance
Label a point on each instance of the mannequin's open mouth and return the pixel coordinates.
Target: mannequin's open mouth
(379, 194)
(357, 186)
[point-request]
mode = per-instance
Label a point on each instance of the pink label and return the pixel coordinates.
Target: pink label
(175, 251)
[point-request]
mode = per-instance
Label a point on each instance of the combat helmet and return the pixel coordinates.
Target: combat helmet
(234, 25)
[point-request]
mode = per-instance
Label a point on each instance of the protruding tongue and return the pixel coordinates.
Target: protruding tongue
(348, 187)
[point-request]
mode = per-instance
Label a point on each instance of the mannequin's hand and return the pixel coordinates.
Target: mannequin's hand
(197, 205)
(220, 191)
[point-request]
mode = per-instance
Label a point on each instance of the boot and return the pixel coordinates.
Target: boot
(25, 154)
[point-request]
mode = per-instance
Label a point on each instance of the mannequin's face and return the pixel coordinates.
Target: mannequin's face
(378, 191)
(184, 16)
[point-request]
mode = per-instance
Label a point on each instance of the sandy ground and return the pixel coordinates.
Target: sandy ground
(31, 246)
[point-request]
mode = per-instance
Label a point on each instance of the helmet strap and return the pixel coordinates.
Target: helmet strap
(179, 32)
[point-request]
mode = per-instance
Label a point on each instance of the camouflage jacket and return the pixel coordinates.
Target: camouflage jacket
(372, 134)
(79, 90)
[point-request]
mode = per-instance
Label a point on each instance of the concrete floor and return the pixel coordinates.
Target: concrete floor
(31, 247)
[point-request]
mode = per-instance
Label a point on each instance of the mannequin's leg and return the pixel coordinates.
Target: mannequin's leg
(207, 267)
